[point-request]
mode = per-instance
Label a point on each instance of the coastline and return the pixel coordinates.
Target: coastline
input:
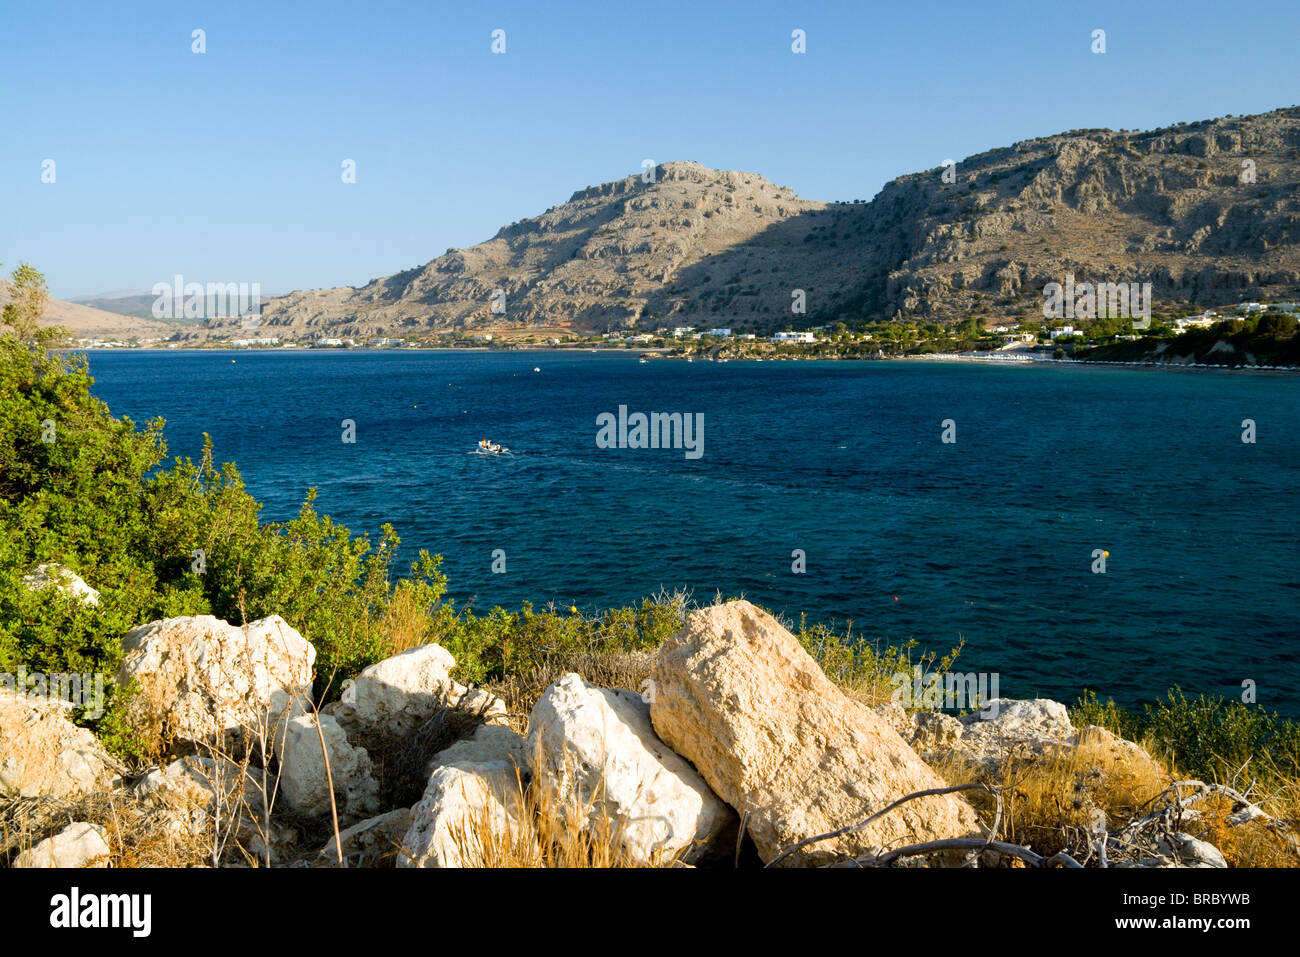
(937, 357)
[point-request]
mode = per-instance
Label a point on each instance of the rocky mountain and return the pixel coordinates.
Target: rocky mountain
(1207, 212)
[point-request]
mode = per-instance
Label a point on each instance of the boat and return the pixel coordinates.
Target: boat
(642, 361)
(488, 447)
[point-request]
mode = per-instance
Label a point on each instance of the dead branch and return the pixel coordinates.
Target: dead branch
(885, 810)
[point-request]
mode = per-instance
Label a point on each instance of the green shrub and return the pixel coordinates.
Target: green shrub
(1211, 738)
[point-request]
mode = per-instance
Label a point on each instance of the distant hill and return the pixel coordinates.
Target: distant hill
(126, 303)
(87, 322)
(1175, 207)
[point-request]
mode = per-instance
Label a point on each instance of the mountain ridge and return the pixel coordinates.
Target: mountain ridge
(1209, 212)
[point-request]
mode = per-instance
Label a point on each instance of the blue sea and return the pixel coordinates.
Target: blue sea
(988, 540)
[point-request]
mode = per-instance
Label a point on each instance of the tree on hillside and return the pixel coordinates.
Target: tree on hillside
(27, 300)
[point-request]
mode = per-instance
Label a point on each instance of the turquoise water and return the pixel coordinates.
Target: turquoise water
(989, 540)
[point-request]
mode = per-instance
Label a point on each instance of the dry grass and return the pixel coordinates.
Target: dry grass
(1049, 803)
(137, 836)
(405, 623)
(545, 834)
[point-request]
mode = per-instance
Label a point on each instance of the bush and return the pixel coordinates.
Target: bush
(81, 488)
(1210, 737)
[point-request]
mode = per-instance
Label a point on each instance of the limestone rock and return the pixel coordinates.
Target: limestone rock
(1190, 851)
(736, 694)
(933, 731)
(393, 697)
(304, 784)
(487, 744)
(202, 678)
(593, 751)
(1025, 728)
(42, 753)
(193, 794)
(473, 791)
(462, 805)
(62, 579)
(77, 845)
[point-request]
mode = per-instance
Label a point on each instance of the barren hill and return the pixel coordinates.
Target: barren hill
(85, 322)
(696, 246)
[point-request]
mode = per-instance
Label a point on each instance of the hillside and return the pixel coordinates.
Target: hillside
(704, 247)
(87, 322)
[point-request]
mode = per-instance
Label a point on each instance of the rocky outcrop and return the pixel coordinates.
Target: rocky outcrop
(202, 679)
(77, 845)
(63, 580)
(595, 756)
(736, 694)
(43, 754)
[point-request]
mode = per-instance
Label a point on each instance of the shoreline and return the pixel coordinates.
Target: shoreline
(937, 357)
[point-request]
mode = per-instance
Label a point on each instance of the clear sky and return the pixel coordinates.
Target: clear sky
(226, 166)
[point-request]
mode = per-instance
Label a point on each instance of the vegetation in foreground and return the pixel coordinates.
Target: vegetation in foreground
(92, 493)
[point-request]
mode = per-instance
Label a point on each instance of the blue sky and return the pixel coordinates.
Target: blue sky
(225, 166)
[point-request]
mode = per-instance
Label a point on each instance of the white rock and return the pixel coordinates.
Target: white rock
(42, 753)
(77, 845)
(487, 744)
(594, 749)
(1004, 725)
(462, 803)
(63, 579)
(201, 677)
(192, 794)
(304, 783)
(1190, 851)
(736, 693)
(932, 731)
(395, 696)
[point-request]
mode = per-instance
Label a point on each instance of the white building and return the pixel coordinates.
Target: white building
(682, 331)
(720, 333)
(793, 337)
(1063, 331)
(1250, 307)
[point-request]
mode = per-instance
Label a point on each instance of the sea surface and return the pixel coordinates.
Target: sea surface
(988, 540)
